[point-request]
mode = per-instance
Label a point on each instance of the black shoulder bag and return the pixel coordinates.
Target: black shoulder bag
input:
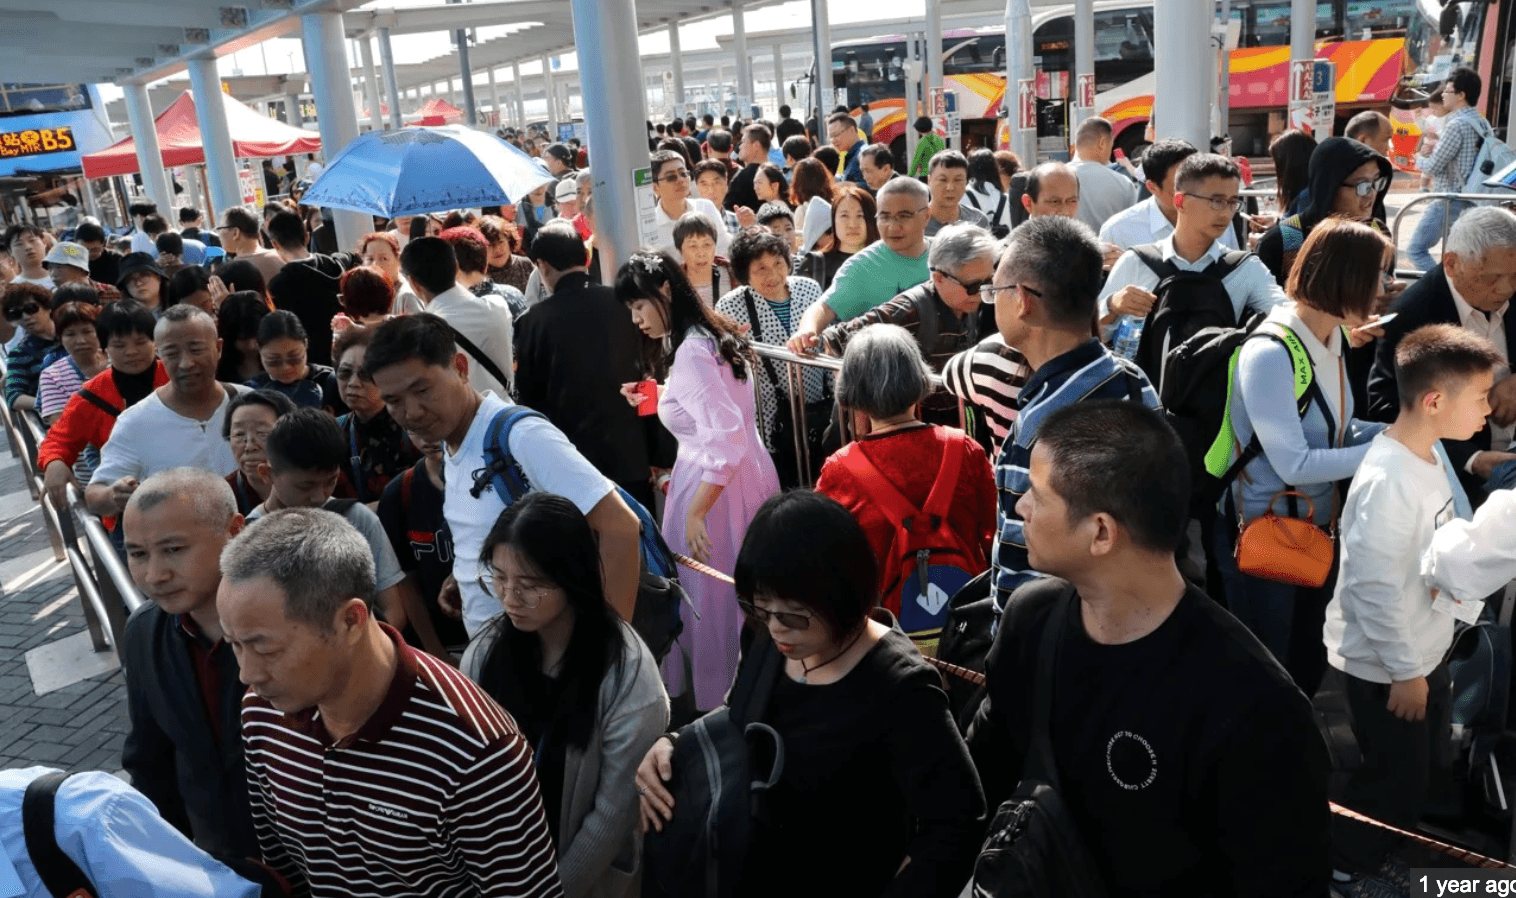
(717, 791)
(1034, 847)
(59, 874)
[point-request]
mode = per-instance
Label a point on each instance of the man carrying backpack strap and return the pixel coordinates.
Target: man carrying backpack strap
(1206, 198)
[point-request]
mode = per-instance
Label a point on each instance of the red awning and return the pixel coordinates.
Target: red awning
(253, 136)
(438, 111)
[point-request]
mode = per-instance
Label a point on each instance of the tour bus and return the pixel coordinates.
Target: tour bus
(1384, 51)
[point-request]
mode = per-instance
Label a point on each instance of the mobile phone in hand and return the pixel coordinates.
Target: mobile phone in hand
(1381, 321)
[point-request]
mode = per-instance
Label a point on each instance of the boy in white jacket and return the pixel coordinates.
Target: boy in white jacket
(1384, 628)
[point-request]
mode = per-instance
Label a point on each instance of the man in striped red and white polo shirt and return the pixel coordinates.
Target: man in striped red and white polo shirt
(373, 769)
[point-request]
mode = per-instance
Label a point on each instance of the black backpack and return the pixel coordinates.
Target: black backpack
(1188, 302)
(717, 790)
(1034, 847)
(967, 635)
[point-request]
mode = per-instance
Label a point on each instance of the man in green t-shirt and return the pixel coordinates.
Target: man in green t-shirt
(879, 272)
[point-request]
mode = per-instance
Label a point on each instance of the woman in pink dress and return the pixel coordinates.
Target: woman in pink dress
(722, 473)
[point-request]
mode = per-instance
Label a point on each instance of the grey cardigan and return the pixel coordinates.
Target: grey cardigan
(600, 850)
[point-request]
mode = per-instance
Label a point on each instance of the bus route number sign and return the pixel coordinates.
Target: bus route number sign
(36, 142)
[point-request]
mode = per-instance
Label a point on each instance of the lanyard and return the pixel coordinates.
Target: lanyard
(355, 459)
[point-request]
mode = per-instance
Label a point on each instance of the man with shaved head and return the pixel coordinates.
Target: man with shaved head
(183, 693)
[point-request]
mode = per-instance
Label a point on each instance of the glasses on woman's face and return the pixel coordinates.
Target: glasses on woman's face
(24, 311)
(255, 436)
(790, 620)
(1362, 189)
(528, 594)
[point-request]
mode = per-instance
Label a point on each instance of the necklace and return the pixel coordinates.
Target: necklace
(806, 671)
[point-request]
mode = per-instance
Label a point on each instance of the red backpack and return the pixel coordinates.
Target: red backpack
(928, 560)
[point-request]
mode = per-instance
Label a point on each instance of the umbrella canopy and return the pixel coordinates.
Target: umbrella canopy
(417, 170)
(253, 136)
(438, 111)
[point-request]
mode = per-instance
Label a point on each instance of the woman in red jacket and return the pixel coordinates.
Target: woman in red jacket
(913, 487)
(125, 330)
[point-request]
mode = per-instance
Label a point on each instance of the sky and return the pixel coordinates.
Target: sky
(282, 55)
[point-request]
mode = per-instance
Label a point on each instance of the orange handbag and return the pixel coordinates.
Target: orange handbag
(1287, 550)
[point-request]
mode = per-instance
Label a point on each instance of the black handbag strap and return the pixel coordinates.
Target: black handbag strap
(752, 314)
(99, 402)
(1040, 762)
(478, 355)
(58, 872)
(750, 694)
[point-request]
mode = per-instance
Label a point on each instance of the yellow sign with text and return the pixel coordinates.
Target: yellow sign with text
(36, 142)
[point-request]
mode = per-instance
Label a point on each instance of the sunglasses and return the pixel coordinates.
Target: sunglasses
(790, 620)
(1364, 188)
(20, 312)
(970, 287)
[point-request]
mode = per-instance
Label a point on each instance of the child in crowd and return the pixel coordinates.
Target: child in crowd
(411, 511)
(282, 348)
(1385, 629)
(778, 218)
(305, 453)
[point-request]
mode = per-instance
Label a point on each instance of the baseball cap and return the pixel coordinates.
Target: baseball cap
(567, 189)
(65, 253)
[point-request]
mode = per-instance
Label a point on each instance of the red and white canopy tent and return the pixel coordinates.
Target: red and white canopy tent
(438, 111)
(253, 136)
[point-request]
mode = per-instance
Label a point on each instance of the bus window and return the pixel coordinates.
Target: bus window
(1366, 19)
(1270, 23)
(1053, 44)
(974, 53)
(1125, 35)
(29, 99)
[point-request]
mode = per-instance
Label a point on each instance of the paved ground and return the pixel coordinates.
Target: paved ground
(61, 704)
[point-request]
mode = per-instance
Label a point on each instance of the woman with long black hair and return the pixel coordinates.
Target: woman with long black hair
(581, 685)
(722, 472)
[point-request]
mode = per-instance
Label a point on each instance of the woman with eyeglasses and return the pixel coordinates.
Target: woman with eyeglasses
(249, 420)
(583, 689)
(1346, 179)
(770, 303)
(877, 795)
(1333, 286)
(721, 473)
(671, 186)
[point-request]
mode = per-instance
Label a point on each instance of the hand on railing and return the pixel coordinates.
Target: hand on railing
(804, 341)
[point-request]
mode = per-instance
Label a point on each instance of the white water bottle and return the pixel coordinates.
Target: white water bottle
(1128, 335)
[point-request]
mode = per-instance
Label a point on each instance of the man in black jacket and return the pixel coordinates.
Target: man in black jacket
(1472, 288)
(308, 283)
(574, 350)
(1188, 760)
(183, 695)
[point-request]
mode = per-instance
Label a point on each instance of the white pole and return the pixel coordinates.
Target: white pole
(676, 65)
(1018, 70)
(1084, 59)
(821, 95)
(322, 33)
(371, 81)
(1182, 110)
(391, 84)
(139, 113)
(744, 62)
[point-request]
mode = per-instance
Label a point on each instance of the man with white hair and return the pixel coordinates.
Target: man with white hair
(880, 271)
(1472, 287)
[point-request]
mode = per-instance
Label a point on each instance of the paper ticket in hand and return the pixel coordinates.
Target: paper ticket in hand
(1468, 612)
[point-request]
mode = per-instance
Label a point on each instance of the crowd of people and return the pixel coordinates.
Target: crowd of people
(390, 509)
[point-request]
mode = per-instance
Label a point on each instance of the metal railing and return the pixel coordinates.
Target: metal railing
(794, 376)
(1447, 199)
(107, 595)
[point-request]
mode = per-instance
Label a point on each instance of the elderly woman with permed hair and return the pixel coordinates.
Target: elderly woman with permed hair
(903, 461)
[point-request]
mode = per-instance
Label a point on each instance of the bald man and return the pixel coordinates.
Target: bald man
(1052, 188)
(1373, 129)
(183, 693)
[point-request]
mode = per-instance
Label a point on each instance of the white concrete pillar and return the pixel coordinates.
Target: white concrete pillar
(550, 92)
(676, 65)
(520, 94)
(391, 84)
(821, 92)
(1018, 68)
(139, 113)
(1084, 59)
(933, 54)
(779, 96)
(215, 136)
(1182, 108)
(322, 33)
(744, 62)
(1302, 29)
(608, 63)
(371, 83)
(495, 99)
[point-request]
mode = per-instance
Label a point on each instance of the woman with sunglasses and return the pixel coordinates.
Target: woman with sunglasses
(671, 187)
(877, 796)
(26, 306)
(1346, 179)
(721, 474)
(582, 687)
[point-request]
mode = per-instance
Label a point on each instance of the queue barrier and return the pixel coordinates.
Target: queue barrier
(794, 365)
(107, 595)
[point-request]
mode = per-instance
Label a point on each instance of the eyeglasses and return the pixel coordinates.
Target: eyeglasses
(1219, 203)
(529, 596)
(1364, 188)
(969, 287)
(899, 218)
(256, 437)
(20, 312)
(674, 177)
(790, 620)
(988, 291)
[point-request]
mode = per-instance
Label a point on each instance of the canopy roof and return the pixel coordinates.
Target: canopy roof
(438, 111)
(253, 136)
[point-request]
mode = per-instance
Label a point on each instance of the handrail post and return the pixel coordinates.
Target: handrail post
(796, 382)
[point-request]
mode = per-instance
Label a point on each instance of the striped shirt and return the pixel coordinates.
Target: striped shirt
(988, 378)
(1456, 151)
(1086, 372)
(434, 796)
(24, 364)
